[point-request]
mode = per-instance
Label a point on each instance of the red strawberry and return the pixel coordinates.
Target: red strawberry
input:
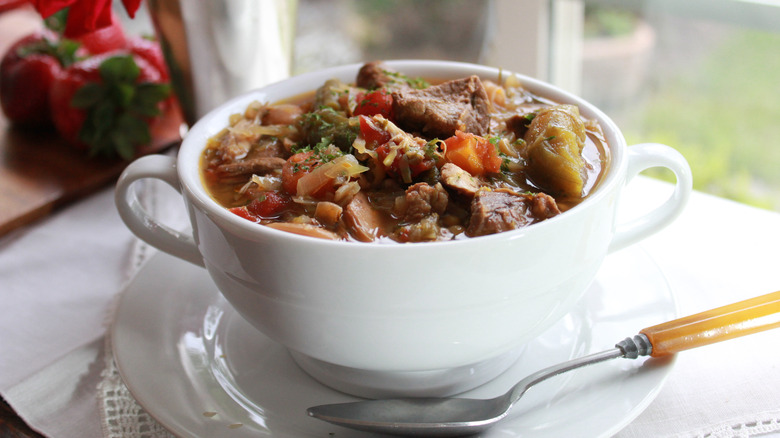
(26, 74)
(106, 103)
(105, 39)
(150, 51)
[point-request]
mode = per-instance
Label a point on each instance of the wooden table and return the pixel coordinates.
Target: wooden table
(11, 426)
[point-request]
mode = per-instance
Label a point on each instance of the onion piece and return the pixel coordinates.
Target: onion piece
(360, 146)
(267, 182)
(344, 166)
(346, 192)
(254, 131)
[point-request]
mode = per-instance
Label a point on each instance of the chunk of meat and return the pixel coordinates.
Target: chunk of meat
(440, 110)
(458, 179)
(421, 200)
(543, 206)
(494, 211)
(518, 124)
(374, 75)
(364, 221)
(268, 147)
(231, 149)
(255, 166)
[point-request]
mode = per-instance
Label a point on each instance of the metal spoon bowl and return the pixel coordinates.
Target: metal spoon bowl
(454, 416)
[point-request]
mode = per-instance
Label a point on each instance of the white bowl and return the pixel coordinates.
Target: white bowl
(401, 319)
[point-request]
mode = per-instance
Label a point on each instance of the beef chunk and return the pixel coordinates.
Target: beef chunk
(494, 211)
(421, 200)
(543, 206)
(439, 110)
(458, 179)
(374, 75)
(258, 166)
(518, 124)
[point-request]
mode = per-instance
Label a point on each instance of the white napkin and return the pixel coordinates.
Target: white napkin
(58, 278)
(716, 253)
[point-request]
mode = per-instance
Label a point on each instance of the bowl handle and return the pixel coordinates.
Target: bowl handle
(641, 157)
(139, 221)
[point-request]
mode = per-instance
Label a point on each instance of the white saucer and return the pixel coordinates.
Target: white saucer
(201, 370)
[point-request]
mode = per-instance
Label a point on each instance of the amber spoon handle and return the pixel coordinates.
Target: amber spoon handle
(738, 319)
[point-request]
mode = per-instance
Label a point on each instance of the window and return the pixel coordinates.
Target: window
(701, 76)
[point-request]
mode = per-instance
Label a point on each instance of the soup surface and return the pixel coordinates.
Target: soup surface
(395, 159)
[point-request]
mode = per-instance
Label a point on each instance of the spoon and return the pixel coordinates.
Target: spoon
(463, 416)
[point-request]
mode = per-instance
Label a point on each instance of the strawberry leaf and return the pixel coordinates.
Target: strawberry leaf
(64, 51)
(119, 69)
(57, 20)
(122, 145)
(123, 94)
(119, 109)
(147, 96)
(88, 95)
(134, 129)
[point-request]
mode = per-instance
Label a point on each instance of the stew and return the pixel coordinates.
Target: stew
(396, 159)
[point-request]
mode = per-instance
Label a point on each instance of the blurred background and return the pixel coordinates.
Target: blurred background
(702, 76)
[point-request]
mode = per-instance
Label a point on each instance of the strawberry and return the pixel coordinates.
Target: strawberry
(150, 51)
(83, 16)
(105, 39)
(27, 71)
(107, 103)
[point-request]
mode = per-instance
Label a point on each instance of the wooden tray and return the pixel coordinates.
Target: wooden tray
(39, 172)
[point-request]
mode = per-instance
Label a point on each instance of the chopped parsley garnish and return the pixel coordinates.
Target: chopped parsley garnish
(322, 151)
(431, 149)
(418, 82)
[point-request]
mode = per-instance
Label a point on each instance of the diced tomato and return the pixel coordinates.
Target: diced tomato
(402, 165)
(270, 205)
(301, 165)
(242, 212)
(472, 153)
(373, 134)
(296, 166)
(375, 102)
